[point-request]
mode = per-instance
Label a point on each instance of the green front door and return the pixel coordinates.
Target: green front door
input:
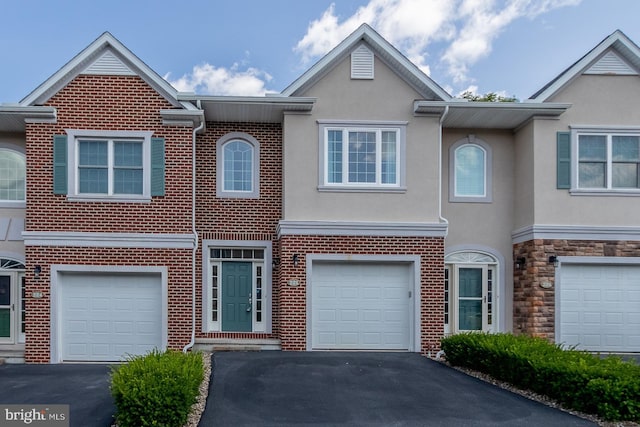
(236, 296)
(6, 310)
(470, 299)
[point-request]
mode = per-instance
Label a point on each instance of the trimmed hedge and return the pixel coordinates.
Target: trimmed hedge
(156, 389)
(609, 388)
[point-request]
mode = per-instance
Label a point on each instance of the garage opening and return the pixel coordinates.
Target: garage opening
(599, 307)
(362, 306)
(104, 317)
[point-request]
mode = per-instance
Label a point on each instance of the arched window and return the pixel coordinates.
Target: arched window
(238, 166)
(12, 176)
(470, 171)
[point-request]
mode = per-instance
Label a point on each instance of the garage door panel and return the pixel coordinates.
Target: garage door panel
(105, 317)
(600, 307)
(360, 306)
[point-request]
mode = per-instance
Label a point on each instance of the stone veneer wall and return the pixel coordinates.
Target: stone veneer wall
(534, 306)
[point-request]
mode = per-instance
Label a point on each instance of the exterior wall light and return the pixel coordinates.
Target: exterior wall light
(294, 258)
(520, 262)
(553, 260)
(36, 271)
(275, 262)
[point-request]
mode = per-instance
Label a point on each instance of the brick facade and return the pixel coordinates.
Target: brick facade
(534, 305)
(237, 219)
(292, 301)
(109, 103)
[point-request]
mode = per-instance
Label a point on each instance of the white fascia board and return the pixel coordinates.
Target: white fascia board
(576, 69)
(109, 240)
(384, 229)
(72, 68)
(575, 232)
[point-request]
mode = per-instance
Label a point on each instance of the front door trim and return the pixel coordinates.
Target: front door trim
(262, 325)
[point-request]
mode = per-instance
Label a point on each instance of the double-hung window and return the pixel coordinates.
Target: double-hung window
(608, 161)
(111, 165)
(12, 178)
(238, 166)
(362, 157)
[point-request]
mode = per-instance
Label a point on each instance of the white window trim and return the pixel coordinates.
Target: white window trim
(487, 197)
(244, 137)
(346, 126)
(208, 325)
(575, 160)
(72, 164)
(14, 203)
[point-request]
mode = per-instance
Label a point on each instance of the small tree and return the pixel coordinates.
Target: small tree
(487, 97)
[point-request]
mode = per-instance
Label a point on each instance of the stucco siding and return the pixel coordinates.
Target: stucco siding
(607, 101)
(386, 98)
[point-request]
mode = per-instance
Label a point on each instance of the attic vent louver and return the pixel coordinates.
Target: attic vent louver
(611, 63)
(362, 63)
(109, 64)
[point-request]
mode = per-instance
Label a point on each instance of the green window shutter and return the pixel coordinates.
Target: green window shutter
(60, 164)
(157, 166)
(564, 160)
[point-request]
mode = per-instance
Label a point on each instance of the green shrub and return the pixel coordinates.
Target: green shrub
(156, 389)
(609, 388)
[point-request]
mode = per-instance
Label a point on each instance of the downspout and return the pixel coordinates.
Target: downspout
(195, 233)
(442, 219)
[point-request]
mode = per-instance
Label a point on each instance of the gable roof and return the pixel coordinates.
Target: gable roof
(106, 55)
(384, 50)
(627, 53)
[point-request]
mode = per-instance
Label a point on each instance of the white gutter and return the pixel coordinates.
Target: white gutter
(442, 219)
(195, 235)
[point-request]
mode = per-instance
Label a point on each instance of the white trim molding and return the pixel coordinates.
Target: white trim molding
(574, 232)
(108, 240)
(340, 228)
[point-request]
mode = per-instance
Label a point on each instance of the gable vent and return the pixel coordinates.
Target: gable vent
(611, 63)
(109, 64)
(362, 63)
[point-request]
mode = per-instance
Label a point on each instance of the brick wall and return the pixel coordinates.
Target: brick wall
(292, 301)
(533, 305)
(178, 261)
(238, 218)
(108, 103)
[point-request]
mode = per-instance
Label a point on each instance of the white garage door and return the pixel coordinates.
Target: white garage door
(361, 306)
(105, 317)
(600, 307)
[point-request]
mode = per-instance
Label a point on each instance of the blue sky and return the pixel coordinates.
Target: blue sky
(251, 47)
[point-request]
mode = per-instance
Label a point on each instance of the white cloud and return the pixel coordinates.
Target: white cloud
(211, 80)
(466, 28)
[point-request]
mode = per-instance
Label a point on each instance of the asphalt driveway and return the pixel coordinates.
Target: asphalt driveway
(84, 387)
(361, 389)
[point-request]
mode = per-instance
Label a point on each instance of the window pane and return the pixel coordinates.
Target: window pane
(334, 156)
(93, 180)
(238, 166)
(362, 157)
(625, 175)
(93, 153)
(470, 171)
(127, 181)
(127, 153)
(92, 166)
(592, 147)
(388, 161)
(470, 316)
(591, 175)
(626, 148)
(12, 175)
